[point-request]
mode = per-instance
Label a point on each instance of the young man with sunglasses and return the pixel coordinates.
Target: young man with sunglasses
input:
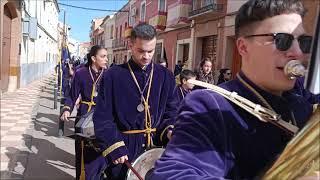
(213, 137)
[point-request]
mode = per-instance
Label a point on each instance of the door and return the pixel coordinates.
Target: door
(6, 43)
(209, 47)
(185, 57)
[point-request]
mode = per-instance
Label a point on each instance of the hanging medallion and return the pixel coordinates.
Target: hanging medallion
(140, 107)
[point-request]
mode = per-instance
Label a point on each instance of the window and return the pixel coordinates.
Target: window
(133, 12)
(162, 5)
(143, 12)
(116, 33)
(111, 32)
(120, 32)
(206, 2)
(196, 4)
(158, 52)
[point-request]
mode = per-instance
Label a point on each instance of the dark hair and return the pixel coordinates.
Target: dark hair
(204, 60)
(209, 78)
(162, 60)
(93, 52)
(222, 71)
(143, 31)
(186, 74)
(254, 11)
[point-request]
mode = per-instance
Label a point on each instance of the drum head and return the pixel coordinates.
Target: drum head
(144, 163)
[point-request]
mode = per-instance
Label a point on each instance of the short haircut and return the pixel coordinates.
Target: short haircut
(186, 74)
(143, 31)
(254, 11)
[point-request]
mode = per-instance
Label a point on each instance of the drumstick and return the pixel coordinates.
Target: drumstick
(73, 117)
(133, 170)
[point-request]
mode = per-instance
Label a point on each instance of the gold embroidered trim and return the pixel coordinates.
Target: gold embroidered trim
(161, 135)
(112, 148)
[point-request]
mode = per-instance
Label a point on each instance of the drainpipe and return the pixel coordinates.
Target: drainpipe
(1, 36)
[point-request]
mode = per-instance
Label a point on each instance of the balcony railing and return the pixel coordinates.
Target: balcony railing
(159, 21)
(119, 43)
(178, 15)
(209, 8)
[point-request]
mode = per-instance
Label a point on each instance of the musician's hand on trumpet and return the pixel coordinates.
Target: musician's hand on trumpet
(121, 160)
(65, 116)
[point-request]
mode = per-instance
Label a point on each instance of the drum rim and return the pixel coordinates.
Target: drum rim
(139, 157)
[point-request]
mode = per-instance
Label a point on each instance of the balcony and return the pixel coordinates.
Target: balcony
(119, 43)
(208, 11)
(178, 14)
(127, 32)
(159, 21)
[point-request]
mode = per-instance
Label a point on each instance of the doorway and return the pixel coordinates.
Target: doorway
(6, 44)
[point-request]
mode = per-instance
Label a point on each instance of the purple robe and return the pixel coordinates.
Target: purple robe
(116, 112)
(181, 93)
(300, 90)
(82, 84)
(215, 139)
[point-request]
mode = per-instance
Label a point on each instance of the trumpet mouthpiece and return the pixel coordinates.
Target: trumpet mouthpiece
(294, 69)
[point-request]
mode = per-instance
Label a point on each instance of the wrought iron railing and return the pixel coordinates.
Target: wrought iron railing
(210, 7)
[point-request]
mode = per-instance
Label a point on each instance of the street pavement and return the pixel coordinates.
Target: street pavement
(30, 146)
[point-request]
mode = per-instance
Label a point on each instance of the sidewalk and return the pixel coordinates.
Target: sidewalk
(30, 148)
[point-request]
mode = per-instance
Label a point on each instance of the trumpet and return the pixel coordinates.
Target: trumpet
(294, 69)
(262, 113)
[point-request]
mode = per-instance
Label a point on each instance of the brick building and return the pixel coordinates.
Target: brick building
(190, 30)
(120, 43)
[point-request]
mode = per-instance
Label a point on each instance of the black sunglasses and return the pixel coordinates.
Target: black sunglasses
(284, 41)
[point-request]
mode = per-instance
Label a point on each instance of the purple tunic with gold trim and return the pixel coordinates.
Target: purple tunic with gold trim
(215, 139)
(116, 112)
(82, 84)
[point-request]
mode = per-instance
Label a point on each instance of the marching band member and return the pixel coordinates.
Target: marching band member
(216, 139)
(136, 105)
(185, 87)
(86, 81)
(300, 90)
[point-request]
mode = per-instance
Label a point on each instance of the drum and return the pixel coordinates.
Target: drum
(301, 157)
(144, 164)
(84, 126)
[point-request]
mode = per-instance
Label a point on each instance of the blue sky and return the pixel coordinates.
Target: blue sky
(80, 19)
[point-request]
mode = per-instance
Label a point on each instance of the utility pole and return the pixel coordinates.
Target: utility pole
(62, 98)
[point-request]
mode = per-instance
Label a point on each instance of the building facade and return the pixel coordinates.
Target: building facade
(10, 24)
(120, 49)
(27, 27)
(109, 34)
(189, 30)
(174, 41)
(96, 32)
(84, 48)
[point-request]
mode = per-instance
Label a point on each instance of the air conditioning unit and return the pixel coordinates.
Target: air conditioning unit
(133, 11)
